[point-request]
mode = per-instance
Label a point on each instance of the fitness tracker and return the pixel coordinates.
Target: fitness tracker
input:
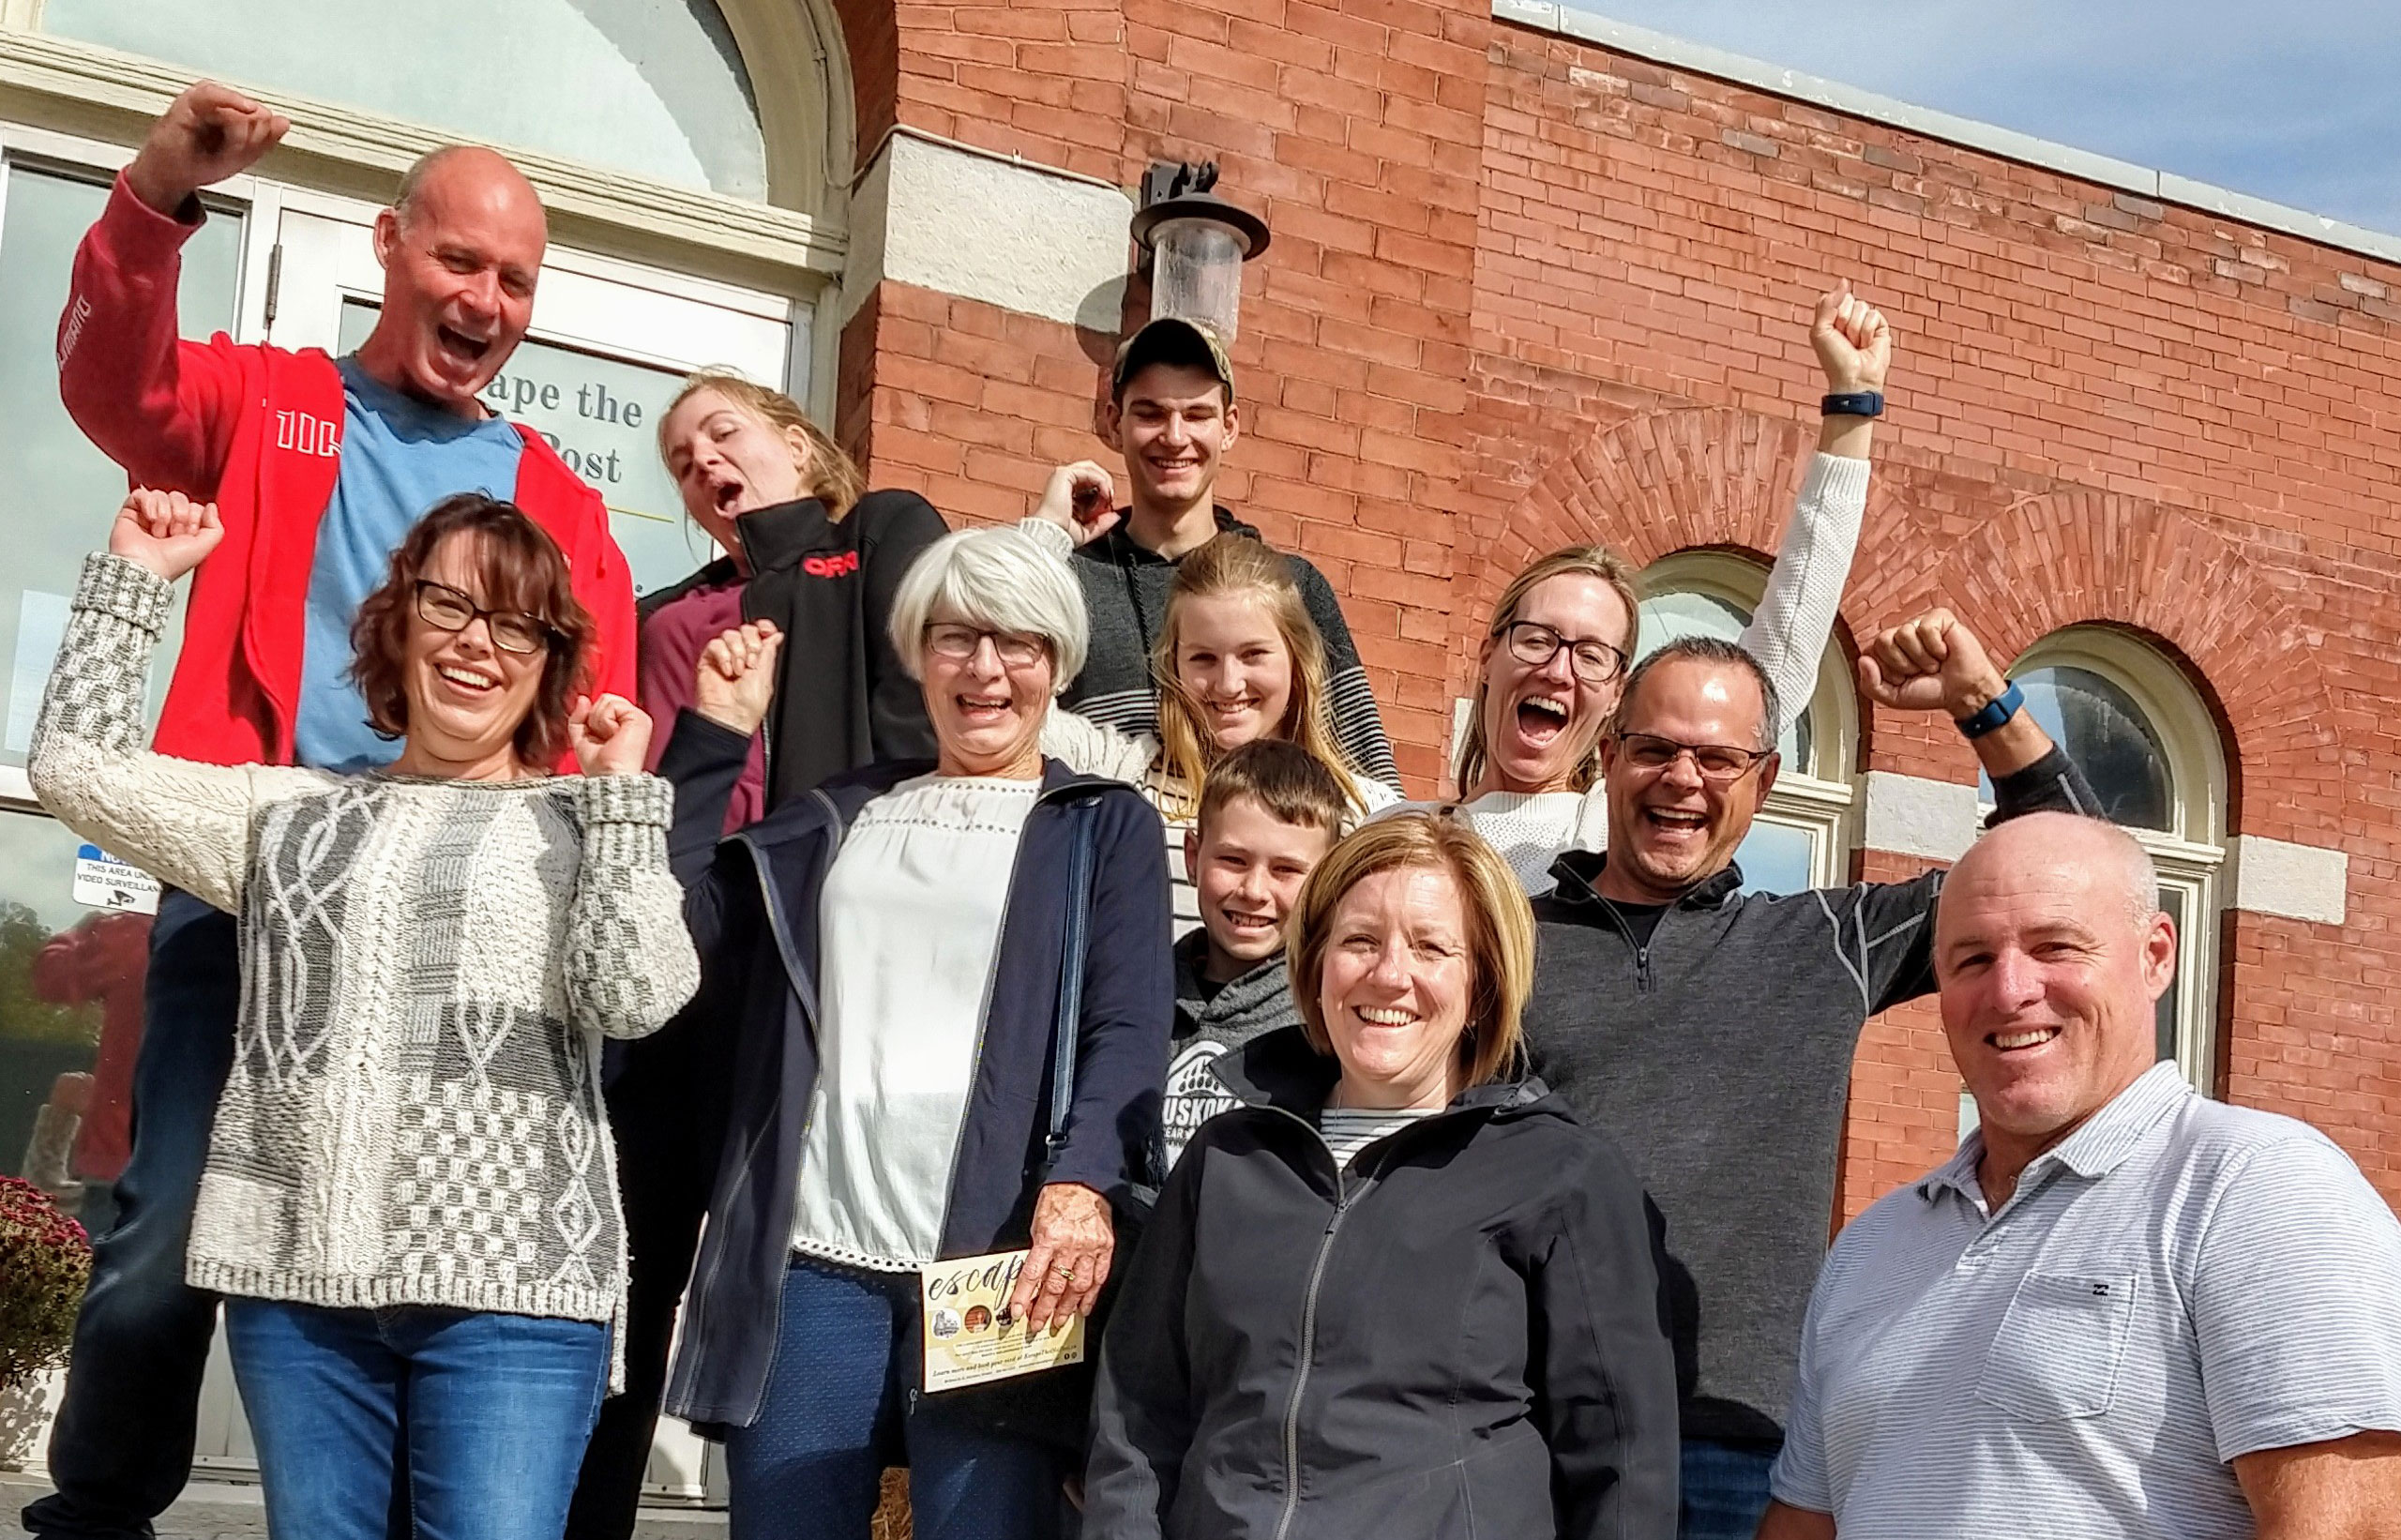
(1853, 404)
(1997, 710)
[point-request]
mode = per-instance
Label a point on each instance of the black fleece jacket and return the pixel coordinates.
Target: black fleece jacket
(1457, 1337)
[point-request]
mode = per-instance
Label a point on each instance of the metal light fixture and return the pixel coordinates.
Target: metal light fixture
(1194, 244)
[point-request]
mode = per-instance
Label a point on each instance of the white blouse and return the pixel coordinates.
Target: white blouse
(910, 928)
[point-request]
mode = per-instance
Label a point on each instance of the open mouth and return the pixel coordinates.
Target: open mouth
(726, 494)
(1248, 927)
(459, 345)
(2021, 1038)
(1384, 1015)
(1541, 719)
(1675, 822)
(470, 681)
(982, 710)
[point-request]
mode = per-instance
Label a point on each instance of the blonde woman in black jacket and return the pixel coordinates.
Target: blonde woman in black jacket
(1395, 1293)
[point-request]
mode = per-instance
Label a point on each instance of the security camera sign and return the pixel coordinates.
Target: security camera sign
(103, 881)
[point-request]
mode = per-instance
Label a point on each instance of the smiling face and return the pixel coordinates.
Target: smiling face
(2049, 976)
(727, 460)
(1173, 425)
(466, 696)
(1248, 872)
(1393, 986)
(987, 710)
(1234, 666)
(1540, 719)
(1672, 828)
(460, 265)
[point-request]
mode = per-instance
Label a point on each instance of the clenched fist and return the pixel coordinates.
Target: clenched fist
(166, 532)
(208, 133)
(1853, 343)
(611, 735)
(737, 676)
(1931, 663)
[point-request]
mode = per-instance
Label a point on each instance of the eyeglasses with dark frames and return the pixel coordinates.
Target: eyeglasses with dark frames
(440, 605)
(1718, 763)
(1015, 650)
(1592, 661)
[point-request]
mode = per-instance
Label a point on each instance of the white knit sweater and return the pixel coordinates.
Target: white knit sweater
(413, 1114)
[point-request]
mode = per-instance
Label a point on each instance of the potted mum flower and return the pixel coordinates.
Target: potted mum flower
(45, 1260)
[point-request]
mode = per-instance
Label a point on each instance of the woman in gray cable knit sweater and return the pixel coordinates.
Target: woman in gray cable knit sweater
(410, 1199)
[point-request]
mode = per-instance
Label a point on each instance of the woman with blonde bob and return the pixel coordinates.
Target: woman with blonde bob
(1399, 1290)
(1237, 659)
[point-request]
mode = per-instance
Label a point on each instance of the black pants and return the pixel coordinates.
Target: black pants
(667, 1097)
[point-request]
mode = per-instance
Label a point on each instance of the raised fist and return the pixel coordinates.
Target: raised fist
(208, 133)
(1932, 663)
(1853, 344)
(737, 676)
(611, 735)
(166, 532)
(1081, 499)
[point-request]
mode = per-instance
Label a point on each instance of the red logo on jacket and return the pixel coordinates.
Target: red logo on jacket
(831, 567)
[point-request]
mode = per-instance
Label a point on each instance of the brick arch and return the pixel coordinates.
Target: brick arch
(2078, 556)
(1646, 488)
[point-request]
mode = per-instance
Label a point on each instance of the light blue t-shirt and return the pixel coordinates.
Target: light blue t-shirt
(399, 458)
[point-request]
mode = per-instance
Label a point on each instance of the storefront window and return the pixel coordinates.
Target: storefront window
(654, 87)
(2105, 732)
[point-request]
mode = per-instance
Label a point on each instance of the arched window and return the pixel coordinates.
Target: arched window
(654, 87)
(2143, 737)
(1801, 838)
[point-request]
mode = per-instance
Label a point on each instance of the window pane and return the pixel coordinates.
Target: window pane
(57, 492)
(71, 991)
(1671, 618)
(2106, 735)
(652, 86)
(1774, 858)
(602, 418)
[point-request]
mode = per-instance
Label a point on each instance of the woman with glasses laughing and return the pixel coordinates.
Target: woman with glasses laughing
(409, 1201)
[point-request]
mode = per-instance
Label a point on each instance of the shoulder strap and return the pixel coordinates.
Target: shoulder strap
(1082, 814)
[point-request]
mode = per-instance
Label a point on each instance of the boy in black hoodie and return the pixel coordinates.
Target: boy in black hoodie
(1269, 812)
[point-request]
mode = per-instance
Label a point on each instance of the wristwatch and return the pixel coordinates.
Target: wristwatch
(1853, 404)
(1997, 710)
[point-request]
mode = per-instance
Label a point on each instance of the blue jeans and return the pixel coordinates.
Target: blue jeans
(121, 1446)
(842, 1403)
(1725, 1490)
(497, 1409)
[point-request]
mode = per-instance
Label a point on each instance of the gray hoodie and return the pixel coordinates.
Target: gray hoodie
(1207, 1025)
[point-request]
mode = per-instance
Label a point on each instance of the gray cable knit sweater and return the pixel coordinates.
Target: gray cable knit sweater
(413, 1114)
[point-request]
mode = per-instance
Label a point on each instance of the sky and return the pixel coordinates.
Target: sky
(2294, 101)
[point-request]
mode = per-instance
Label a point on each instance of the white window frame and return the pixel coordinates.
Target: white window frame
(2190, 855)
(1819, 798)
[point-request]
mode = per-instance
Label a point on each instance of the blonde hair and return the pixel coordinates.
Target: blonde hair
(1587, 560)
(1228, 565)
(1499, 929)
(831, 475)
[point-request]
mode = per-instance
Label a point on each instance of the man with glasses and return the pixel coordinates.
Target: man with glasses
(1711, 1031)
(319, 468)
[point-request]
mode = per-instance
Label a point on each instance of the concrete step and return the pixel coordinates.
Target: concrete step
(226, 1510)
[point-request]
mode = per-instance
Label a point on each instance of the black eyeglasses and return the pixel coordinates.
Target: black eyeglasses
(511, 631)
(1594, 663)
(958, 642)
(1717, 763)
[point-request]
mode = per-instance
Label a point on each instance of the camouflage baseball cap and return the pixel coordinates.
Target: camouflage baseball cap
(1172, 339)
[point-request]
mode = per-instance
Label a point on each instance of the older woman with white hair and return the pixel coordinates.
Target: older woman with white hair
(954, 987)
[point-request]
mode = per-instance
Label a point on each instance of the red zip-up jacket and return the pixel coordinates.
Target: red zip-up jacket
(258, 430)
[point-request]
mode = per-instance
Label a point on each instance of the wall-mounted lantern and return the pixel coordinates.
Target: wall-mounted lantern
(1194, 244)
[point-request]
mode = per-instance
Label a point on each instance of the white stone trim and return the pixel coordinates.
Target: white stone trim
(1008, 233)
(86, 76)
(2084, 165)
(2296, 882)
(1914, 816)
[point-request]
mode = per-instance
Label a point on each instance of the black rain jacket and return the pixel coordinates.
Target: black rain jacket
(1460, 1335)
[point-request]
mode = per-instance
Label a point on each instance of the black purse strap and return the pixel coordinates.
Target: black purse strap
(1082, 815)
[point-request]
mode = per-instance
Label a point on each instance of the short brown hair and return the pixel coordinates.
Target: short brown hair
(1293, 785)
(519, 568)
(1590, 562)
(831, 475)
(1499, 923)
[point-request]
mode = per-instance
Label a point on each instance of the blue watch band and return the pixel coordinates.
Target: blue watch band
(1997, 710)
(1853, 404)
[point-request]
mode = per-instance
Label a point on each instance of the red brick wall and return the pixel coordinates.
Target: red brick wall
(1524, 290)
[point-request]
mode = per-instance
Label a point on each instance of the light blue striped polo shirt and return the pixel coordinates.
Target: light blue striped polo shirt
(2177, 1283)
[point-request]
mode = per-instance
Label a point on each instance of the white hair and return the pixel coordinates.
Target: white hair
(999, 579)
